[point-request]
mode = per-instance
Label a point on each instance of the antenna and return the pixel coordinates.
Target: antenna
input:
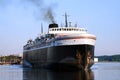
(41, 28)
(69, 24)
(76, 25)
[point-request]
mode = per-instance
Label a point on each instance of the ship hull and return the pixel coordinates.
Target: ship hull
(66, 56)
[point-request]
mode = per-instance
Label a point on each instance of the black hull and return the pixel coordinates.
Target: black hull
(69, 56)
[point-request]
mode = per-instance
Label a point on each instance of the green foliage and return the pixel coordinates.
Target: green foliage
(10, 59)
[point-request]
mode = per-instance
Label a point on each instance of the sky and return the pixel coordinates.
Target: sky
(21, 20)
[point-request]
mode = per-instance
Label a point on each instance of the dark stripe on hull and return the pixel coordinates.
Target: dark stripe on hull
(75, 56)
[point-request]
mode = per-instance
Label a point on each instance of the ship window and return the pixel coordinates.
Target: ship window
(60, 29)
(52, 29)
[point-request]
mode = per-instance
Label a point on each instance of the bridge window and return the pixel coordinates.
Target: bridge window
(60, 29)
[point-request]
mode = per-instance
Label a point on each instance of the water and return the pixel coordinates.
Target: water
(106, 71)
(100, 71)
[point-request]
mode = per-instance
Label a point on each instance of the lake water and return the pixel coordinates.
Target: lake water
(99, 71)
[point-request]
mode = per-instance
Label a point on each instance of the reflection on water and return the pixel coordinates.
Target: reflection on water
(8, 72)
(99, 71)
(37, 74)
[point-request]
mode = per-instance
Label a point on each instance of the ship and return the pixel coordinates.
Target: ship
(61, 47)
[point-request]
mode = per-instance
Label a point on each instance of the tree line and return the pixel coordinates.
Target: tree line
(109, 58)
(10, 59)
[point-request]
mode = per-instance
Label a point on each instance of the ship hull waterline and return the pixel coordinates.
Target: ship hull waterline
(56, 57)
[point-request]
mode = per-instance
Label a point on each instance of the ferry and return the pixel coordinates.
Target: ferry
(61, 47)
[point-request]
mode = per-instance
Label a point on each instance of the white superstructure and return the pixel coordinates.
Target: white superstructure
(64, 36)
(72, 36)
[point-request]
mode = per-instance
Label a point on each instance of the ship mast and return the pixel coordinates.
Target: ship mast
(41, 28)
(66, 23)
